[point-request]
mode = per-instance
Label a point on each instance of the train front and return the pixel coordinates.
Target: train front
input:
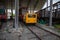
(31, 18)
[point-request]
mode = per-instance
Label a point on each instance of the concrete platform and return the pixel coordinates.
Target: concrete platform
(50, 29)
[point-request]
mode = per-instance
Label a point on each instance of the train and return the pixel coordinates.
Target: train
(30, 18)
(27, 17)
(3, 15)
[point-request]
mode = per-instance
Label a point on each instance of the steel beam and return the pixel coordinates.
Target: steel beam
(47, 4)
(16, 13)
(28, 3)
(36, 4)
(11, 8)
(51, 5)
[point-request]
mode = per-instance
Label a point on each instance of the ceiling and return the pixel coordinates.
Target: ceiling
(29, 4)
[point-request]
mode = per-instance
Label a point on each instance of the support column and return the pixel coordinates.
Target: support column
(57, 10)
(44, 12)
(47, 7)
(12, 13)
(11, 9)
(16, 13)
(51, 3)
(47, 4)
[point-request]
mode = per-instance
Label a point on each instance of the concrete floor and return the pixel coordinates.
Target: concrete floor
(22, 33)
(10, 33)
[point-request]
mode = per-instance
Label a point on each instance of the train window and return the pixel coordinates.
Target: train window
(58, 5)
(48, 8)
(29, 15)
(55, 7)
(32, 16)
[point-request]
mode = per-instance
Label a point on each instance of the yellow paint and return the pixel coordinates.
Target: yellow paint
(31, 19)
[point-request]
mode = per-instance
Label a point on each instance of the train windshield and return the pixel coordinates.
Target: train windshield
(32, 16)
(2, 11)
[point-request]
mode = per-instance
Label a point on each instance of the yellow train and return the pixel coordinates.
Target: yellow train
(30, 18)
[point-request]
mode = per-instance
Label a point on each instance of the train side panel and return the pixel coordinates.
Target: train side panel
(3, 15)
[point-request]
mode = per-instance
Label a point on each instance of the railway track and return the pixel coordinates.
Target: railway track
(49, 31)
(42, 34)
(28, 34)
(34, 33)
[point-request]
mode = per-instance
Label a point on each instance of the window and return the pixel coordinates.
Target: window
(32, 16)
(58, 5)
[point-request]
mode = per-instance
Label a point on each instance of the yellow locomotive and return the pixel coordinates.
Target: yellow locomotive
(30, 18)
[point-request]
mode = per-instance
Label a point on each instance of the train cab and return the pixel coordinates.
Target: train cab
(30, 18)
